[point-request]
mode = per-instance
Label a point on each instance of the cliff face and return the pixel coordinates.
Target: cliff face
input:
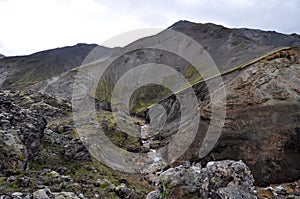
(262, 123)
(262, 118)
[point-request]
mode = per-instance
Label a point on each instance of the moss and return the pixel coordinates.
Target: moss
(164, 194)
(8, 186)
(117, 137)
(191, 72)
(146, 96)
(103, 90)
(21, 157)
(104, 185)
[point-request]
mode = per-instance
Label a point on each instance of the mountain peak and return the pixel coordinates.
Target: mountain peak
(181, 23)
(184, 24)
(1, 56)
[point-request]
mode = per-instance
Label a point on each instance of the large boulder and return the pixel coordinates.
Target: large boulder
(223, 179)
(13, 153)
(21, 133)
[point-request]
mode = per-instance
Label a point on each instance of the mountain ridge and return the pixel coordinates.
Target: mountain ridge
(229, 48)
(18, 72)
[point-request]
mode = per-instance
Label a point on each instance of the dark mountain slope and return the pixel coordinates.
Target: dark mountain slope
(232, 47)
(228, 48)
(22, 71)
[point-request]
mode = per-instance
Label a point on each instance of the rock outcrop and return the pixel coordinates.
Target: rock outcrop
(21, 133)
(224, 179)
(62, 166)
(262, 124)
(285, 190)
(75, 150)
(262, 119)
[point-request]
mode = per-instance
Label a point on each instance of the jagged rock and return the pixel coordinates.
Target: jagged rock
(13, 153)
(223, 179)
(17, 195)
(81, 196)
(262, 119)
(21, 133)
(44, 104)
(47, 194)
(154, 195)
(124, 192)
(53, 174)
(285, 190)
(75, 150)
(65, 195)
(43, 194)
(55, 138)
(24, 182)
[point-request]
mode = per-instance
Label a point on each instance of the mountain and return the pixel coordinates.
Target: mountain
(260, 71)
(232, 47)
(22, 71)
(1, 56)
(228, 48)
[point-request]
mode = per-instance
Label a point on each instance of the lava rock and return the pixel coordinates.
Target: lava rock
(223, 179)
(21, 133)
(75, 151)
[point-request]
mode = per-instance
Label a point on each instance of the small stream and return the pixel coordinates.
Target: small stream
(156, 161)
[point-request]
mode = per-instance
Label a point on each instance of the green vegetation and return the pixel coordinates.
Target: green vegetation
(147, 95)
(200, 79)
(9, 186)
(164, 194)
(103, 90)
(116, 136)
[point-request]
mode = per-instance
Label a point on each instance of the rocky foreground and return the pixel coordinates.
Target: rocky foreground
(42, 158)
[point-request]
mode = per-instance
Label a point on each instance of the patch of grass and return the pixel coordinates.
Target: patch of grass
(191, 72)
(164, 194)
(146, 96)
(103, 90)
(117, 137)
(8, 186)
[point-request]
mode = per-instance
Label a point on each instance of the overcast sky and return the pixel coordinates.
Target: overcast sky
(28, 26)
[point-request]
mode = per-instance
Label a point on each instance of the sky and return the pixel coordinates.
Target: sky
(35, 25)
